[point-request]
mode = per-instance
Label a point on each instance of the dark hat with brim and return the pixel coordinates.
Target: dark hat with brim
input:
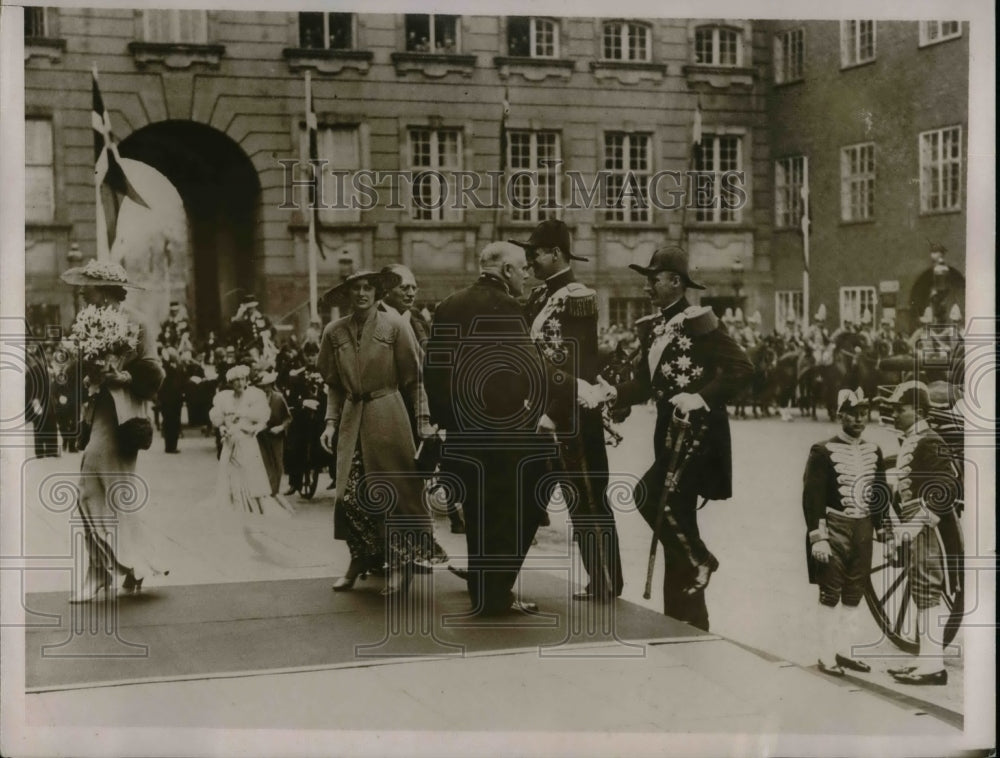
(550, 233)
(383, 281)
(671, 258)
(98, 274)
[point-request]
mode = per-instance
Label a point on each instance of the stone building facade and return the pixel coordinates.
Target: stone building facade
(214, 101)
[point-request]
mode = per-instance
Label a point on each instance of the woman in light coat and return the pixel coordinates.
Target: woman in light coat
(369, 361)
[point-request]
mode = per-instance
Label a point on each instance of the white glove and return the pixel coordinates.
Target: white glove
(608, 393)
(685, 402)
(587, 395)
(545, 424)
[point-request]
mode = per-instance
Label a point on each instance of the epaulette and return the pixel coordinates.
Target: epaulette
(580, 300)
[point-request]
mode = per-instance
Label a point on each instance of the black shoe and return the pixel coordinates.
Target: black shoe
(852, 663)
(346, 582)
(523, 606)
(937, 677)
(831, 670)
(901, 670)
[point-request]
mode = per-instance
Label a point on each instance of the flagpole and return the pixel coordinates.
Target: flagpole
(103, 249)
(805, 242)
(313, 277)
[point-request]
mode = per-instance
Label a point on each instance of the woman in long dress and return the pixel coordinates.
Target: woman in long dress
(240, 413)
(112, 503)
(369, 361)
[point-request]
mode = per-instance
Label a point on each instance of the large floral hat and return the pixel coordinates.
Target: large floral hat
(99, 274)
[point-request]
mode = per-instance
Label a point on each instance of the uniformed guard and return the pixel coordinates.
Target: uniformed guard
(844, 500)
(689, 365)
(563, 317)
(926, 497)
(175, 331)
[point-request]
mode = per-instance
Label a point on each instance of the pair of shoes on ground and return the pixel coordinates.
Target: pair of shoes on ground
(843, 662)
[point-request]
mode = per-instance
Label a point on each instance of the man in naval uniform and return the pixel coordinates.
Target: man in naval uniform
(926, 494)
(690, 365)
(562, 313)
(844, 500)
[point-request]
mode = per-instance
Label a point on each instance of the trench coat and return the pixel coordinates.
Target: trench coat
(367, 375)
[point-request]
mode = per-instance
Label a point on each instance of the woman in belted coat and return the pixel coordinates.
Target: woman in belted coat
(369, 361)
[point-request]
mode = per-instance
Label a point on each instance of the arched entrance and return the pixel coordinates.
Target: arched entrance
(220, 191)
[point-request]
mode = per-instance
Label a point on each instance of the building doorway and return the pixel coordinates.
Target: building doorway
(220, 191)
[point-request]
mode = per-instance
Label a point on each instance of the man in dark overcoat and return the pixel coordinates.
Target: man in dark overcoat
(562, 314)
(485, 389)
(170, 399)
(692, 366)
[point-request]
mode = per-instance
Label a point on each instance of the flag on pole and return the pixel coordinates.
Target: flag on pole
(696, 126)
(804, 192)
(312, 127)
(107, 162)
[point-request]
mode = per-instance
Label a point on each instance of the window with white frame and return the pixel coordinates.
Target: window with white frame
(435, 156)
(628, 161)
(432, 33)
(718, 160)
(39, 178)
(854, 301)
(36, 22)
(718, 46)
(533, 159)
(532, 37)
(789, 56)
(941, 170)
(857, 42)
(625, 41)
(789, 176)
(788, 308)
(932, 32)
(175, 26)
(857, 182)
(326, 31)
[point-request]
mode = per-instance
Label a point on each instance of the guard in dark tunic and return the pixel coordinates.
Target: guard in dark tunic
(690, 365)
(844, 500)
(563, 317)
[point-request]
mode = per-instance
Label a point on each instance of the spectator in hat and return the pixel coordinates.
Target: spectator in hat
(174, 331)
(844, 499)
(171, 399)
(272, 437)
(252, 330)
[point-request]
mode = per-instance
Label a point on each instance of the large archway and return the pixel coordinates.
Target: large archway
(220, 191)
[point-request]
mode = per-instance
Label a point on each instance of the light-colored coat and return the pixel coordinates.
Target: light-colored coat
(381, 363)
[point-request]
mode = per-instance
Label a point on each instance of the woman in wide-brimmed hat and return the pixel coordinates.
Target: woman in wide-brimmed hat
(117, 417)
(369, 359)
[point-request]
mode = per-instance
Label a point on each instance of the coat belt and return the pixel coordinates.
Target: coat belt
(367, 397)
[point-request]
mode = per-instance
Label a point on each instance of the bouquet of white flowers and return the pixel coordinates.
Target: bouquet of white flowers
(103, 338)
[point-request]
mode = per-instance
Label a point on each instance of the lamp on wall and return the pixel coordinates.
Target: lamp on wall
(74, 255)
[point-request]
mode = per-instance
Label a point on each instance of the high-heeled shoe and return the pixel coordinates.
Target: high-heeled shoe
(132, 583)
(91, 590)
(399, 579)
(354, 571)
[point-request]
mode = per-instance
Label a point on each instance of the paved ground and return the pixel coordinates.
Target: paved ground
(759, 599)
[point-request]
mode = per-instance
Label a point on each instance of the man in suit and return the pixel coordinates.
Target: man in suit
(690, 365)
(485, 389)
(563, 317)
(171, 399)
(402, 297)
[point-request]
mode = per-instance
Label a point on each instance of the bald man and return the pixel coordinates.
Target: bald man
(485, 387)
(403, 298)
